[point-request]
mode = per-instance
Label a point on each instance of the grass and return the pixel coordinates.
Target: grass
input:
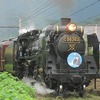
(88, 97)
(91, 94)
(90, 89)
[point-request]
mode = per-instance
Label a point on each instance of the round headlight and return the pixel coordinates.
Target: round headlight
(71, 27)
(74, 60)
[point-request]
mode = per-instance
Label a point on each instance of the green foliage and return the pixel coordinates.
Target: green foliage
(13, 89)
(9, 67)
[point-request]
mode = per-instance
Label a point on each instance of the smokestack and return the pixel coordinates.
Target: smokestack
(65, 21)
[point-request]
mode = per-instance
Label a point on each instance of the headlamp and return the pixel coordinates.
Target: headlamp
(71, 27)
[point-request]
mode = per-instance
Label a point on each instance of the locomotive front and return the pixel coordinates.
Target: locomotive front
(65, 65)
(71, 45)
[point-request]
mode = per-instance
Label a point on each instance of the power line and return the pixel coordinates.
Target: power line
(34, 10)
(45, 17)
(9, 27)
(38, 9)
(82, 9)
(93, 30)
(70, 15)
(39, 13)
(89, 19)
(85, 8)
(44, 5)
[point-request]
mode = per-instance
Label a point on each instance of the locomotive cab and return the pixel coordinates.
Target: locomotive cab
(25, 49)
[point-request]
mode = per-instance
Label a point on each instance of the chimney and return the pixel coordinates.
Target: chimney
(65, 21)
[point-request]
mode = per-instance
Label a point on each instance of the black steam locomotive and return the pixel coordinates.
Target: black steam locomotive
(58, 56)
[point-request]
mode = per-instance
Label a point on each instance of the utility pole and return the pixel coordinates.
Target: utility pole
(96, 28)
(30, 2)
(20, 24)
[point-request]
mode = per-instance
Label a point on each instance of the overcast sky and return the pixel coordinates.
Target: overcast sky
(39, 13)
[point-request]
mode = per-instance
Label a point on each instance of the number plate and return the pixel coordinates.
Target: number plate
(72, 39)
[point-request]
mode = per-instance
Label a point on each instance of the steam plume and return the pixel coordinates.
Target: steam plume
(40, 88)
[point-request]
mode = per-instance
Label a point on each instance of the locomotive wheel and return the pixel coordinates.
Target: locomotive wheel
(50, 83)
(82, 92)
(60, 90)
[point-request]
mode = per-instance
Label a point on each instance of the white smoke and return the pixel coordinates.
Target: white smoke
(28, 80)
(24, 30)
(40, 88)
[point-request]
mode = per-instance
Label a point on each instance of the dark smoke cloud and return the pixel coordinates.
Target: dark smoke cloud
(64, 4)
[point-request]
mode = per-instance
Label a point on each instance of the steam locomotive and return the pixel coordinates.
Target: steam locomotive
(62, 58)
(58, 56)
